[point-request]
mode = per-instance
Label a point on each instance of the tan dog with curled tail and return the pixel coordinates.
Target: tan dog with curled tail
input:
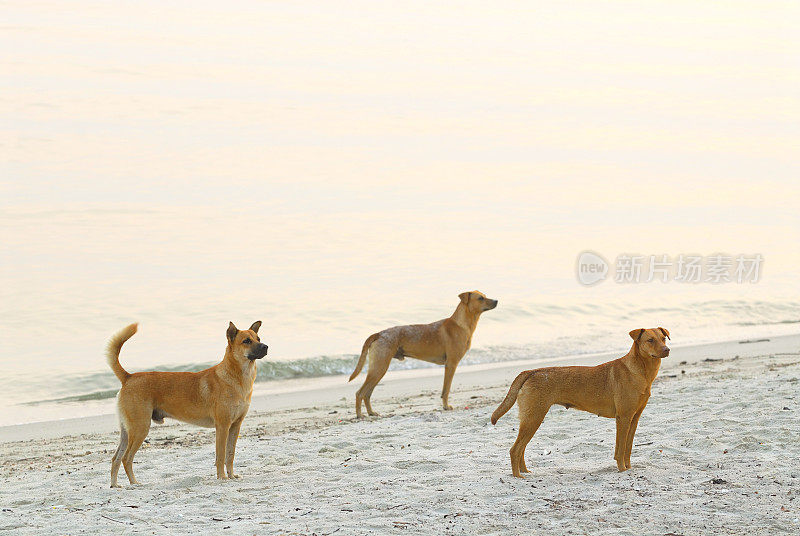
(217, 397)
(617, 389)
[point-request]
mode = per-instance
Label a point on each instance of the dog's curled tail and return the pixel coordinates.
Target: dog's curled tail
(114, 347)
(363, 357)
(511, 397)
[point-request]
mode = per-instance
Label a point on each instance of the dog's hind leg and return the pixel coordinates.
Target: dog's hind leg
(523, 468)
(526, 432)
(367, 403)
(379, 359)
(117, 458)
(359, 399)
(138, 426)
(530, 418)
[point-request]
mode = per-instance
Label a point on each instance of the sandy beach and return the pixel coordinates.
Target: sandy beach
(333, 170)
(716, 452)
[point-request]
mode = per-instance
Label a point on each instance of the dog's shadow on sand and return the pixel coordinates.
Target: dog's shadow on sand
(581, 471)
(612, 470)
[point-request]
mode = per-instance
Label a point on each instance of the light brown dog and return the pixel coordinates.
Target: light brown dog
(444, 342)
(617, 389)
(217, 397)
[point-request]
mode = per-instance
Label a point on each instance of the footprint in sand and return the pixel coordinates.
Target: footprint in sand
(186, 482)
(416, 464)
(382, 436)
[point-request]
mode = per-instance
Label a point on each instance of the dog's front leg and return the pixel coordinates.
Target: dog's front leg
(222, 443)
(621, 449)
(230, 451)
(449, 372)
(631, 433)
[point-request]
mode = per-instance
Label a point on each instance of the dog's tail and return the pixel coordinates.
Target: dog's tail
(114, 347)
(363, 357)
(511, 397)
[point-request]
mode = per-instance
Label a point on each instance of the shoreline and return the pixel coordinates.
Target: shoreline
(716, 452)
(306, 393)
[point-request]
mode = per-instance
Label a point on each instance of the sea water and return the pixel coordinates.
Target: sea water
(333, 170)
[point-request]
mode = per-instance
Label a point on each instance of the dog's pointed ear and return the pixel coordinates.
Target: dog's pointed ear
(231, 333)
(665, 331)
(464, 296)
(256, 325)
(636, 333)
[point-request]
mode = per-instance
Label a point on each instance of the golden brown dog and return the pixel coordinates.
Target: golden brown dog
(617, 389)
(444, 342)
(217, 397)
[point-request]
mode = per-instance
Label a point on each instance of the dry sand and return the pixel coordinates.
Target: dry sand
(717, 452)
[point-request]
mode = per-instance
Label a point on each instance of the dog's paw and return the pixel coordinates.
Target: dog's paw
(234, 476)
(448, 407)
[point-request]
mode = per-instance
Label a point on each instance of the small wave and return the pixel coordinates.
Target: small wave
(107, 385)
(594, 338)
(97, 395)
(305, 368)
(767, 323)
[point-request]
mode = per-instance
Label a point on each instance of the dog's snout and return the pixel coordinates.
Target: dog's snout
(666, 351)
(258, 352)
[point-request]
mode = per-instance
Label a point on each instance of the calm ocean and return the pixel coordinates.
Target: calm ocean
(334, 170)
